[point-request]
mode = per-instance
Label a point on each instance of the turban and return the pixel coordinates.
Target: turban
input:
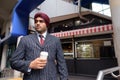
(44, 16)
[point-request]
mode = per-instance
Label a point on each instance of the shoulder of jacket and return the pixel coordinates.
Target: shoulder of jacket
(54, 37)
(27, 36)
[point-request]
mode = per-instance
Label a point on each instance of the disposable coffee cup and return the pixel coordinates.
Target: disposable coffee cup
(43, 55)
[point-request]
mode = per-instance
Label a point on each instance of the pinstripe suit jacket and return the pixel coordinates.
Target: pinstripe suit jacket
(29, 48)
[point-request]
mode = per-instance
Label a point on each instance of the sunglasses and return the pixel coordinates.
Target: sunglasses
(41, 21)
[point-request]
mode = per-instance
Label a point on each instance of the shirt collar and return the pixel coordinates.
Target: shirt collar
(44, 34)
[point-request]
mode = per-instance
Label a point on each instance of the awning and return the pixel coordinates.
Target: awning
(103, 29)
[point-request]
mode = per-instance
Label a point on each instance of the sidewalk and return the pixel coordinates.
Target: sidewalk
(10, 78)
(70, 78)
(81, 78)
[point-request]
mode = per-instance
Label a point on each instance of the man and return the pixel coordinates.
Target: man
(26, 57)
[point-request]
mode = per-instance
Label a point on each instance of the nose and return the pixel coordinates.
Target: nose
(38, 23)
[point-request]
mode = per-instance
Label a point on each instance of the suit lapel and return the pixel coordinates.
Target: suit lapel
(35, 38)
(47, 40)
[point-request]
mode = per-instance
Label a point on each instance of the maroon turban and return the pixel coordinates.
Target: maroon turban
(44, 16)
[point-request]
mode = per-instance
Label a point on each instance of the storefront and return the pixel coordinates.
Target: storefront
(88, 50)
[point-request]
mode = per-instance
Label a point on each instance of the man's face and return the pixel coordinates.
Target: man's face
(40, 25)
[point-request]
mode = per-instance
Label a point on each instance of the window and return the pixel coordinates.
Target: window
(95, 49)
(101, 8)
(84, 50)
(68, 50)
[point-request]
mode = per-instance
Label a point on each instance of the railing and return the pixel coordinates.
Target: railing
(5, 38)
(102, 73)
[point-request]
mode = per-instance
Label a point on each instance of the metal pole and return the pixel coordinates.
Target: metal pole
(100, 75)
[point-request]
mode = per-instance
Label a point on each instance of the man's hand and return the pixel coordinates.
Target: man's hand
(38, 63)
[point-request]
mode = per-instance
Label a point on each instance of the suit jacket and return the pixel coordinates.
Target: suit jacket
(29, 48)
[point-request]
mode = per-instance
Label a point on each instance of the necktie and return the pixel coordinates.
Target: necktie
(41, 39)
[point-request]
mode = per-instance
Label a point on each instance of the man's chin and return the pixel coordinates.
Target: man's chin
(40, 32)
